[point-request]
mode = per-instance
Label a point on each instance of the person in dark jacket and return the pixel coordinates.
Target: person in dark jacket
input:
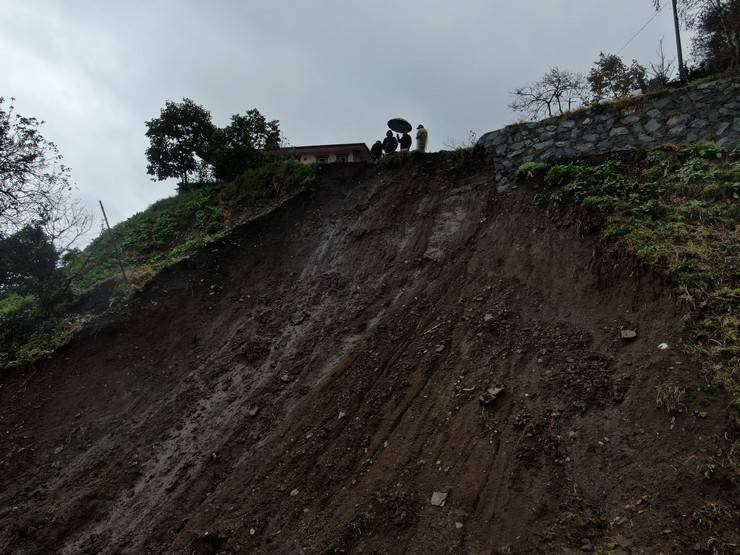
(405, 141)
(390, 144)
(377, 150)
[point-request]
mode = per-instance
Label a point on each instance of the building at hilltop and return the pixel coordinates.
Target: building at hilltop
(328, 154)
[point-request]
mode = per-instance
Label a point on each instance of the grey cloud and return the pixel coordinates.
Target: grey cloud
(330, 70)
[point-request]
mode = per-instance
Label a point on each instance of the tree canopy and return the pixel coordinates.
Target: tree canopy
(717, 27)
(611, 78)
(178, 139)
(241, 145)
(35, 185)
(717, 40)
(29, 265)
(183, 141)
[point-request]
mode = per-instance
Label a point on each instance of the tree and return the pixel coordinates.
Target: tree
(178, 138)
(717, 26)
(558, 91)
(29, 265)
(717, 41)
(610, 78)
(241, 145)
(34, 183)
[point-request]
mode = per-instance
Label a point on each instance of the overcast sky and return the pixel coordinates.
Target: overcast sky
(330, 70)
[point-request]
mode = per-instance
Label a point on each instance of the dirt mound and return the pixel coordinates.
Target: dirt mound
(307, 384)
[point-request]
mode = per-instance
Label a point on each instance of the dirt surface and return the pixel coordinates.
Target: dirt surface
(307, 384)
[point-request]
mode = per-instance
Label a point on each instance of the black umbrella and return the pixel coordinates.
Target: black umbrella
(399, 125)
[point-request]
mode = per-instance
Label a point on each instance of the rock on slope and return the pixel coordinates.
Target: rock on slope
(308, 383)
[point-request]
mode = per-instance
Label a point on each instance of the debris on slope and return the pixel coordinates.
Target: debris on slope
(378, 440)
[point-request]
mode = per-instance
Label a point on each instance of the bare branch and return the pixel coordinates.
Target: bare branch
(557, 92)
(34, 183)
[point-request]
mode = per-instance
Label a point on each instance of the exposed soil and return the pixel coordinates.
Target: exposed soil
(308, 383)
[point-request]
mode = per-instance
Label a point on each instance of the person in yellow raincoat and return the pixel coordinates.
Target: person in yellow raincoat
(422, 137)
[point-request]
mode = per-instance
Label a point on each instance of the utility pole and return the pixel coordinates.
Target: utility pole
(115, 243)
(676, 23)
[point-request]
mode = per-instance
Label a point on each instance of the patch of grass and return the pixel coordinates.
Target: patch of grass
(531, 169)
(174, 227)
(670, 398)
(709, 515)
(674, 210)
(168, 231)
(710, 470)
(561, 174)
(49, 336)
(385, 512)
(28, 333)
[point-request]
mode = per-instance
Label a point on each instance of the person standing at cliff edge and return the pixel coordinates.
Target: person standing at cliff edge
(405, 141)
(377, 151)
(422, 137)
(390, 144)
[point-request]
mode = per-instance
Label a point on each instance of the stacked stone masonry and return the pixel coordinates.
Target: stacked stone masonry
(705, 112)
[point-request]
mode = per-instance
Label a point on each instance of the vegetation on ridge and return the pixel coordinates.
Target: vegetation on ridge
(168, 231)
(676, 211)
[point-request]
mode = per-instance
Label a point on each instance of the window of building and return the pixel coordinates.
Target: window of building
(322, 159)
(341, 158)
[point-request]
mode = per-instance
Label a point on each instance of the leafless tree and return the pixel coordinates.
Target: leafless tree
(34, 183)
(558, 91)
(660, 71)
(453, 144)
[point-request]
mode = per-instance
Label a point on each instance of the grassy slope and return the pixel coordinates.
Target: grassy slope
(676, 211)
(172, 228)
(164, 233)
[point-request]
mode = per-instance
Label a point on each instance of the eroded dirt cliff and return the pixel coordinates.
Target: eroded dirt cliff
(308, 383)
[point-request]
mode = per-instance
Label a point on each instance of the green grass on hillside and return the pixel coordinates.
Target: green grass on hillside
(174, 227)
(166, 232)
(676, 211)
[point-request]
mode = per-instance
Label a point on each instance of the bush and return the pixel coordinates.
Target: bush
(611, 78)
(29, 265)
(707, 150)
(561, 174)
(531, 169)
(18, 316)
(278, 177)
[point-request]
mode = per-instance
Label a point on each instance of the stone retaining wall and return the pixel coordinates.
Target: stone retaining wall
(705, 112)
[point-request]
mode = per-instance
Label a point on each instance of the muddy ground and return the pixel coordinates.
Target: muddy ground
(308, 383)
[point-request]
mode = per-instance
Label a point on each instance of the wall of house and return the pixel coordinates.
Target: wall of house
(312, 158)
(705, 112)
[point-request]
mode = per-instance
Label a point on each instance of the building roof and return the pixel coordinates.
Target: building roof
(334, 147)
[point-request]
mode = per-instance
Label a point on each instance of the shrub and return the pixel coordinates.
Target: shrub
(18, 316)
(600, 203)
(707, 150)
(561, 174)
(277, 177)
(531, 169)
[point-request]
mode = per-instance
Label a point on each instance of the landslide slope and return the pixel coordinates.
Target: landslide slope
(305, 384)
